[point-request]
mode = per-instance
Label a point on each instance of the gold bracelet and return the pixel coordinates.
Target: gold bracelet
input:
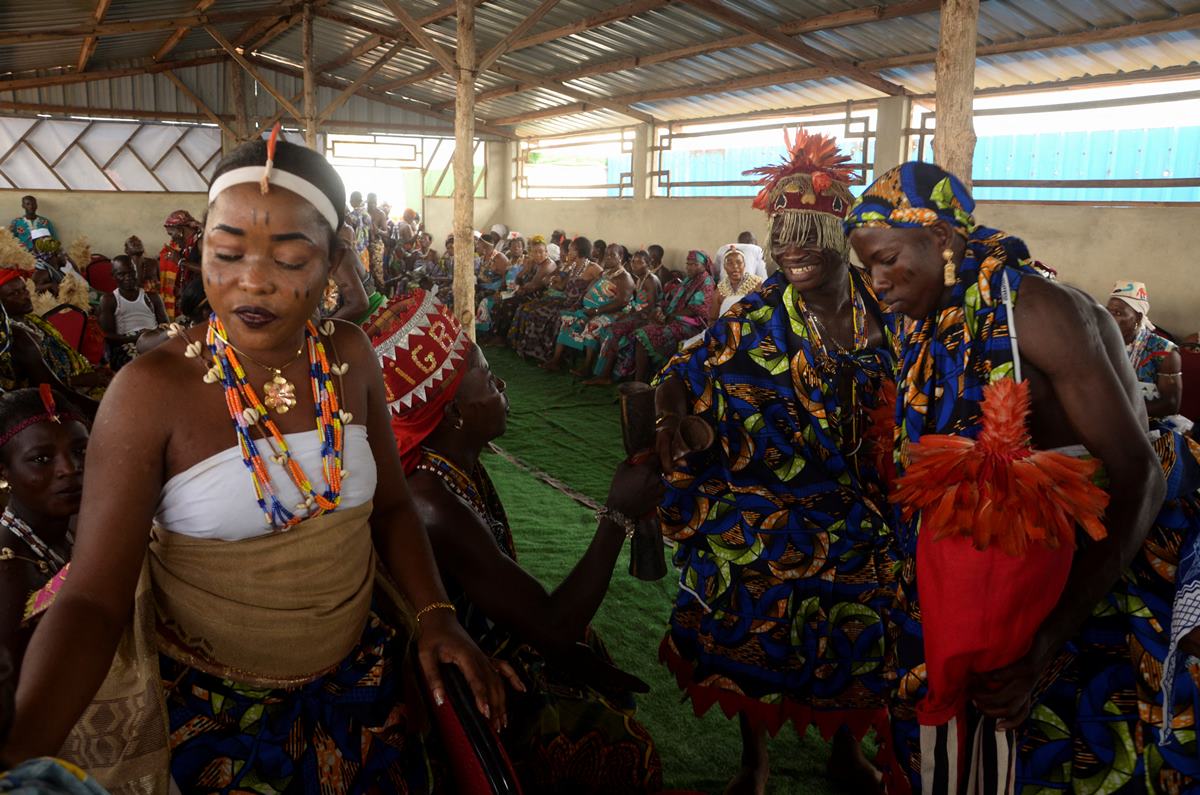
(429, 608)
(661, 420)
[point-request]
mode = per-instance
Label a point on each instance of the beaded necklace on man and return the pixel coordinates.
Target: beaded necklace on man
(838, 364)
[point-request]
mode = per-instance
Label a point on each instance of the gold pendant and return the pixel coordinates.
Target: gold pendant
(279, 394)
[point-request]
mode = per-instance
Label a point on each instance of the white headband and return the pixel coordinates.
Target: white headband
(284, 179)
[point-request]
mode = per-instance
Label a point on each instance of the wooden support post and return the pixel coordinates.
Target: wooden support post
(310, 80)
(237, 78)
(954, 141)
(464, 170)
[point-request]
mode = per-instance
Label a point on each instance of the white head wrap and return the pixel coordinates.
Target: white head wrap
(752, 254)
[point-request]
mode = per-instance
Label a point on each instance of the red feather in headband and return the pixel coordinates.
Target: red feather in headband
(816, 155)
(997, 489)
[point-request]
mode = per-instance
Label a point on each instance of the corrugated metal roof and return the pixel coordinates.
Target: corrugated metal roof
(667, 27)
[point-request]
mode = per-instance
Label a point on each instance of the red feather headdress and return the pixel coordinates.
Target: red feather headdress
(815, 157)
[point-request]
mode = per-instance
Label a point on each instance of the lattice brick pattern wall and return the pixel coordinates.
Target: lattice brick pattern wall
(59, 154)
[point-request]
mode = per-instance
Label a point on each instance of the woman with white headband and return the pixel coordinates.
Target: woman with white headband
(248, 523)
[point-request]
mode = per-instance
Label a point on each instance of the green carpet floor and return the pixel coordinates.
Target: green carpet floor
(573, 433)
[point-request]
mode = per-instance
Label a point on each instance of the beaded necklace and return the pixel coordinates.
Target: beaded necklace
(48, 561)
(838, 365)
(464, 486)
(247, 410)
(815, 326)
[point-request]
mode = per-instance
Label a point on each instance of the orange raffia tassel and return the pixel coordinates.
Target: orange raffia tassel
(264, 184)
(998, 489)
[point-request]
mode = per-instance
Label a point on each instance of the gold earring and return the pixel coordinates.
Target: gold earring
(3, 485)
(949, 275)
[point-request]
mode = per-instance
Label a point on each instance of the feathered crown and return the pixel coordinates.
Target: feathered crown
(809, 189)
(814, 169)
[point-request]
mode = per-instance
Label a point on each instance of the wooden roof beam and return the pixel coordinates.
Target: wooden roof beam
(70, 78)
(199, 103)
(369, 43)
(245, 64)
(505, 44)
(358, 83)
(388, 32)
(173, 40)
(614, 14)
(809, 53)
(1182, 22)
(557, 87)
(89, 44)
(138, 26)
(423, 39)
(416, 77)
(594, 21)
(839, 19)
(375, 95)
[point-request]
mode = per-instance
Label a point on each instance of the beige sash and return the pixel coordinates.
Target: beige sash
(121, 738)
(273, 611)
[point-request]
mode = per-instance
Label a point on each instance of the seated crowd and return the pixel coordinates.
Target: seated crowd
(236, 611)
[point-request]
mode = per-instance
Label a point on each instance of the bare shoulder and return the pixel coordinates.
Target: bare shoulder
(349, 340)
(452, 526)
(1045, 306)
(1062, 328)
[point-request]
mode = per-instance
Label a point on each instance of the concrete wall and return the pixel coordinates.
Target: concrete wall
(106, 217)
(1091, 247)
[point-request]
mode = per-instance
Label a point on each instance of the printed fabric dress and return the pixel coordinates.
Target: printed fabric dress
(687, 314)
(577, 330)
(781, 530)
(1095, 722)
(496, 294)
(535, 325)
(564, 735)
(619, 334)
(1146, 354)
(504, 311)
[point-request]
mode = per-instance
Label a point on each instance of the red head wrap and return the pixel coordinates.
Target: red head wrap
(8, 274)
(181, 218)
(423, 352)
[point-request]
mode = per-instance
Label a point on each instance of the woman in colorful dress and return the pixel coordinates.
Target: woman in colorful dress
(611, 339)
(498, 278)
(43, 440)
(267, 669)
(781, 526)
(1155, 359)
(571, 721)
(535, 325)
(685, 313)
(605, 301)
(1079, 707)
(529, 285)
